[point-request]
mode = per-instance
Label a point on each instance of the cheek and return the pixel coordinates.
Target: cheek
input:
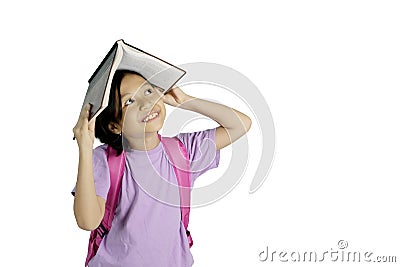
(164, 113)
(130, 112)
(129, 117)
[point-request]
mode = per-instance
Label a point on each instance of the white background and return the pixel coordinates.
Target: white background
(329, 71)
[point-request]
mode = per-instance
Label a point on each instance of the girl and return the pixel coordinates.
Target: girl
(145, 231)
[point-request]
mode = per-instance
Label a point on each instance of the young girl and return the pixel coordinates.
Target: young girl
(145, 231)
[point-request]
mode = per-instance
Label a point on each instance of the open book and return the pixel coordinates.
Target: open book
(124, 56)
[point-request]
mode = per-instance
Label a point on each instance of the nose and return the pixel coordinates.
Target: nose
(146, 105)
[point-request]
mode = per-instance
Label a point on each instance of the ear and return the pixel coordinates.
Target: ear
(114, 128)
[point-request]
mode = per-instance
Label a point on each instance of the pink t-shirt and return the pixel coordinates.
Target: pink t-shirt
(146, 231)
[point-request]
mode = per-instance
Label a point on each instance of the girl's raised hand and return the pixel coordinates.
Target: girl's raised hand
(176, 97)
(83, 130)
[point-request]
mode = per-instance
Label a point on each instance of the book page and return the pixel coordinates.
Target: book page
(156, 71)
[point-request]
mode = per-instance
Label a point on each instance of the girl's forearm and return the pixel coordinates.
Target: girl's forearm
(226, 116)
(86, 206)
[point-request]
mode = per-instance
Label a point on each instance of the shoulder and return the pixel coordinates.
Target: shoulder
(197, 136)
(100, 149)
(201, 149)
(198, 141)
(99, 155)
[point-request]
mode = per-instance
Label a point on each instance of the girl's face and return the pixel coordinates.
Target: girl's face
(139, 99)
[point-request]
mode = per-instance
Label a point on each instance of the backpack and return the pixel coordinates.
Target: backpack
(179, 158)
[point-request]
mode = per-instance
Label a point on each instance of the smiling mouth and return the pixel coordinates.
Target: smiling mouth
(153, 115)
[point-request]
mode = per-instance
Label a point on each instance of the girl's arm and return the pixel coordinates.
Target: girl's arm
(88, 207)
(233, 123)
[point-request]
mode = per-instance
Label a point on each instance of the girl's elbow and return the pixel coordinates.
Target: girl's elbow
(86, 226)
(247, 123)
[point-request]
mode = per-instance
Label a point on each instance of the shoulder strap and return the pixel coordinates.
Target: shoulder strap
(116, 165)
(179, 158)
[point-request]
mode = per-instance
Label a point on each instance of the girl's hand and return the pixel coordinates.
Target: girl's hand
(83, 131)
(176, 97)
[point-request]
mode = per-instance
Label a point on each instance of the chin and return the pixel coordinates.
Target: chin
(153, 128)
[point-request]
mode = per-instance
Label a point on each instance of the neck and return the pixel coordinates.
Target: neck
(147, 142)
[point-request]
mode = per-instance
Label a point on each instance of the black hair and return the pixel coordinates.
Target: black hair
(112, 113)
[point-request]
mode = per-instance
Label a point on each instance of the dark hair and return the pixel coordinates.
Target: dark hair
(112, 113)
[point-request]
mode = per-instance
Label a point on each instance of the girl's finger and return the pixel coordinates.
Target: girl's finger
(92, 124)
(86, 110)
(83, 117)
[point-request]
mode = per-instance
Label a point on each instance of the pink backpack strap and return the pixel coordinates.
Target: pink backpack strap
(179, 158)
(116, 166)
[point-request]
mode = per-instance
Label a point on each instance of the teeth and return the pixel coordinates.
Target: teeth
(152, 116)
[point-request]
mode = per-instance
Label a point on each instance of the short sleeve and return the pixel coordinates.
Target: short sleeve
(101, 172)
(202, 151)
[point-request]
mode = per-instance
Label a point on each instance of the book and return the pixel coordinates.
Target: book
(125, 56)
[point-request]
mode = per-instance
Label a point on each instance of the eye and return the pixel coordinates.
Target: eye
(129, 101)
(148, 90)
